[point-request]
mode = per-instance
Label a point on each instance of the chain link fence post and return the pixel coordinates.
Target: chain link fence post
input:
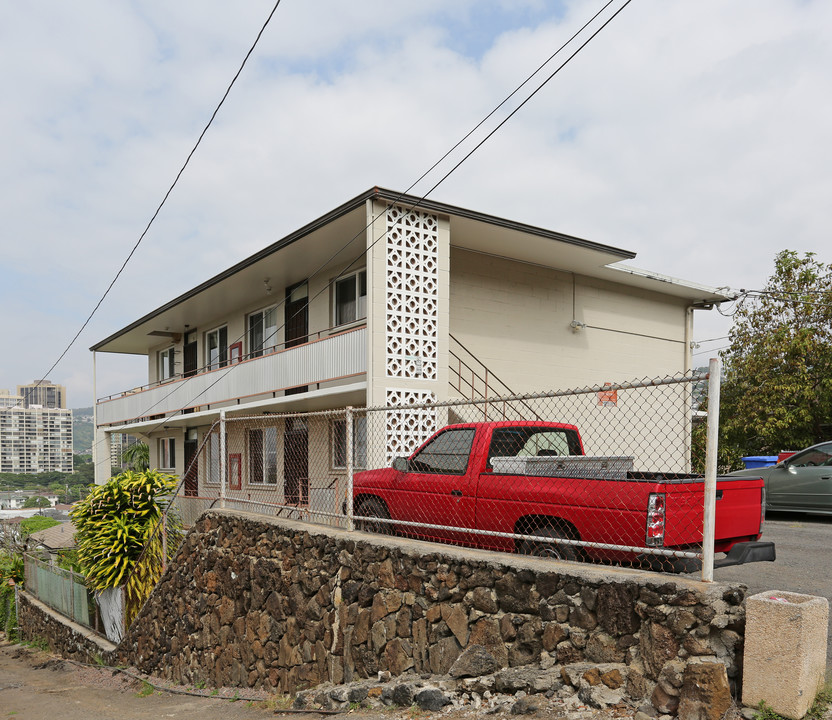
(223, 473)
(711, 460)
(348, 420)
(164, 542)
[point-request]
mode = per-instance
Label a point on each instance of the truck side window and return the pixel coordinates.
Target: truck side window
(446, 454)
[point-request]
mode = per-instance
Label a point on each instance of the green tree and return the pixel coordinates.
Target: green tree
(137, 456)
(11, 573)
(777, 388)
(120, 535)
(36, 501)
(729, 457)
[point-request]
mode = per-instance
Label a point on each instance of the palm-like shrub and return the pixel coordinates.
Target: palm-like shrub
(11, 569)
(124, 536)
(137, 456)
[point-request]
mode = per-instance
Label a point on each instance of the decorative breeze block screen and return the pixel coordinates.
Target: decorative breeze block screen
(412, 293)
(408, 429)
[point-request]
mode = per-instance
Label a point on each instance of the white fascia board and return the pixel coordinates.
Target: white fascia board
(649, 280)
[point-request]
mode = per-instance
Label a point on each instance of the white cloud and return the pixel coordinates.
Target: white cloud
(694, 134)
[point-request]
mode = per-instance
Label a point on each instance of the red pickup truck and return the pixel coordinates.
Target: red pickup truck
(528, 487)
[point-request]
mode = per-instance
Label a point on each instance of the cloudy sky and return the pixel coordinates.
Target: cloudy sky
(697, 134)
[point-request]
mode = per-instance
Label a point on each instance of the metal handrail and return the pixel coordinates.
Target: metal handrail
(476, 376)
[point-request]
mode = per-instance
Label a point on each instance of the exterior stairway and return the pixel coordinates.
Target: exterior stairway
(470, 379)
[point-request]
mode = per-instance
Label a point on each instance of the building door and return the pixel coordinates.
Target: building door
(297, 322)
(296, 462)
(189, 357)
(297, 314)
(191, 469)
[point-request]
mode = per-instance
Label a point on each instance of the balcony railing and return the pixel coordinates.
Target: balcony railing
(331, 358)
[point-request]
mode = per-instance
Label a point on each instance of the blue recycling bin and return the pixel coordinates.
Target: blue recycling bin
(759, 461)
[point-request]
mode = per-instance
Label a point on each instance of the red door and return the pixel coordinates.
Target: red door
(436, 489)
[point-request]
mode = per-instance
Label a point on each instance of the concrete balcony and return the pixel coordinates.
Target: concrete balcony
(331, 359)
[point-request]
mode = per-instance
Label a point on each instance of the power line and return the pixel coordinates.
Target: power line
(775, 295)
(425, 195)
(712, 350)
(506, 99)
(724, 337)
(169, 191)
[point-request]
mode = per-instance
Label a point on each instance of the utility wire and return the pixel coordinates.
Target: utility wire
(505, 100)
(712, 350)
(423, 197)
(774, 295)
(168, 193)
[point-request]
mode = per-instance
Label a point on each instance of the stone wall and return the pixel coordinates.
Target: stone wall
(64, 637)
(259, 602)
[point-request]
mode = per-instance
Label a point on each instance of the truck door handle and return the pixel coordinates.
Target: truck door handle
(719, 494)
(456, 493)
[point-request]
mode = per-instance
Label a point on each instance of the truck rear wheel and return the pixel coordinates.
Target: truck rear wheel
(553, 550)
(374, 508)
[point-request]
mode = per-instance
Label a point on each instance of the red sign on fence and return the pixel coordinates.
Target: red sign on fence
(608, 398)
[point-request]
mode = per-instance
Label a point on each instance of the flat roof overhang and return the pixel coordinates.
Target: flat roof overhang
(344, 229)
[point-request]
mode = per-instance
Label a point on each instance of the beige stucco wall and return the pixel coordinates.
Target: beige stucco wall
(516, 319)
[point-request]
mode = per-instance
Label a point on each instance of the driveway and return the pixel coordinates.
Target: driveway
(803, 560)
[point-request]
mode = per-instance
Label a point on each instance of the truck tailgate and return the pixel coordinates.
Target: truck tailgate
(738, 511)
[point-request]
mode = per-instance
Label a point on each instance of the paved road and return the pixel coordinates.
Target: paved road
(804, 560)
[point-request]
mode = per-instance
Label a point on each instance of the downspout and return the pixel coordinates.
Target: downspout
(576, 324)
(688, 364)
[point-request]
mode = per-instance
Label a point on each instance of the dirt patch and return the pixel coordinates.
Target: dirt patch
(36, 685)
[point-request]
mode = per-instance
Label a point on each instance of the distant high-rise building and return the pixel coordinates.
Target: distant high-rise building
(43, 393)
(7, 400)
(35, 439)
(119, 442)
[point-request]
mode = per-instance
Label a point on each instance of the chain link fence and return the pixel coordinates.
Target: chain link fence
(600, 474)
(62, 590)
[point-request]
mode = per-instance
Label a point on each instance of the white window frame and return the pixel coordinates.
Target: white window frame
(265, 456)
(222, 357)
(166, 363)
(338, 441)
(213, 466)
(167, 453)
(266, 347)
(360, 300)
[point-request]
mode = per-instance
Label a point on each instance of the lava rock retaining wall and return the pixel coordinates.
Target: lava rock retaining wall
(38, 623)
(260, 602)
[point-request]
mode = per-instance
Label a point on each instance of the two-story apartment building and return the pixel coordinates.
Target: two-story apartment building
(386, 300)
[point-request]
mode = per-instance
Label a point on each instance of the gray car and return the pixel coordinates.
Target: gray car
(801, 483)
